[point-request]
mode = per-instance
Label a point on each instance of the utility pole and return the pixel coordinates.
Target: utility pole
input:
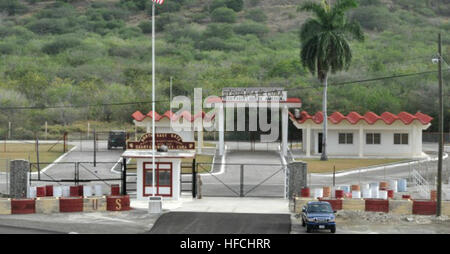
(441, 130)
(170, 96)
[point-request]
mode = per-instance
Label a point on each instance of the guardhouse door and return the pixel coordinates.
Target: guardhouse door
(163, 179)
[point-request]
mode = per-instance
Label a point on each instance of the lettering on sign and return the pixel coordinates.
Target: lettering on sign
(253, 94)
(118, 204)
(172, 140)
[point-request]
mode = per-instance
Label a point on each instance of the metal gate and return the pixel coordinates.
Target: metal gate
(242, 180)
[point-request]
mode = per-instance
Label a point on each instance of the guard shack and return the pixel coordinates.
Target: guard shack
(167, 164)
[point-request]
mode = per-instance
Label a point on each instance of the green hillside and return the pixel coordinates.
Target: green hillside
(80, 52)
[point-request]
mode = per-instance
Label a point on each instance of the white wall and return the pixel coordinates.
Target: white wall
(385, 149)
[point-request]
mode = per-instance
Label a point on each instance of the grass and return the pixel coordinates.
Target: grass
(13, 151)
(318, 166)
(200, 158)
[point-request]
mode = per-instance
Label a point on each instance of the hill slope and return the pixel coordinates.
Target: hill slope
(57, 52)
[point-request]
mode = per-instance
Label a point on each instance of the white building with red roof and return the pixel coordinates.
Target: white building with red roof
(164, 123)
(370, 135)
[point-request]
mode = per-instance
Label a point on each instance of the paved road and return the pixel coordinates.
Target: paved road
(221, 223)
(262, 167)
(22, 230)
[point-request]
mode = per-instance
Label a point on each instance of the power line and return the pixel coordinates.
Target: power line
(287, 89)
(79, 106)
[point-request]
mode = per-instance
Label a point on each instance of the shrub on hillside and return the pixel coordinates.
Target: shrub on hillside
(107, 14)
(224, 31)
(373, 18)
(12, 7)
(251, 27)
(60, 45)
(217, 4)
(62, 11)
(224, 15)
(236, 5)
(135, 4)
(6, 48)
(175, 32)
(18, 31)
(48, 26)
(256, 15)
(129, 32)
(168, 6)
(165, 19)
(146, 27)
(369, 2)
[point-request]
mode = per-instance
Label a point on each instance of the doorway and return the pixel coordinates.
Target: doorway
(163, 179)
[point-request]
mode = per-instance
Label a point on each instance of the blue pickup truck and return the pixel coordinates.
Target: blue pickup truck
(318, 215)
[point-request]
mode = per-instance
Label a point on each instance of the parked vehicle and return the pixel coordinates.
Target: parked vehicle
(318, 215)
(117, 139)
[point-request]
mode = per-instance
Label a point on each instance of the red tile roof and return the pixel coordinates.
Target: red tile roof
(369, 117)
(138, 116)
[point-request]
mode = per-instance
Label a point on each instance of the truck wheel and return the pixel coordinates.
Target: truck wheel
(308, 229)
(333, 229)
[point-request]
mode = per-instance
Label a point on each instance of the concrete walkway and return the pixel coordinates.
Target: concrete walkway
(221, 204)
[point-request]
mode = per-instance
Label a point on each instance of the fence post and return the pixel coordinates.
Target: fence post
(124, 177)
(95, 149)
(64, 143)
(242, 181)
(37, 158)
(194, 179)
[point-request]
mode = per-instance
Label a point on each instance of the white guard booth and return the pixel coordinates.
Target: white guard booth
(167, 173)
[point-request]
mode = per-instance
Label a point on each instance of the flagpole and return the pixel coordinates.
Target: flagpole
(153, 98)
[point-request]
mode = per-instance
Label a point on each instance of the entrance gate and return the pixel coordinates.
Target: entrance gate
(242, 180)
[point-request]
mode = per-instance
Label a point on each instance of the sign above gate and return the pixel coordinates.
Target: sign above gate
(251, 94)
(171, 140)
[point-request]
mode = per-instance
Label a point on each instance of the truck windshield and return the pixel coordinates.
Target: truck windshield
(319, 208)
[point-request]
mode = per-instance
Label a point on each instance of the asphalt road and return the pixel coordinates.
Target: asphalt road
(22, 230)
(262, 176)
(221, 223)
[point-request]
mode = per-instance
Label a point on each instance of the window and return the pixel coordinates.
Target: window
(400, 138)
(149, 177)
(373, 138)
(345, 138)
(164, 177)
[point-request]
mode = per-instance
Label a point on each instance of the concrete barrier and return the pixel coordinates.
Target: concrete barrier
(5, 206)
(353, 204)
(299, 202)
(424, 207)
(377, 205)
(118, 203)
(400, 206)
(445, 209)
(336, 204)
(94, 204)
(47, 205)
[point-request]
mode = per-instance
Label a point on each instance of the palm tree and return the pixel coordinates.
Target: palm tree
(324, 45)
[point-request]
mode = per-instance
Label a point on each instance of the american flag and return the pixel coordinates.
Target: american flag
(158, 1)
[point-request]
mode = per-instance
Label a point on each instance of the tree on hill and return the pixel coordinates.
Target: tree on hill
(324, 45)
